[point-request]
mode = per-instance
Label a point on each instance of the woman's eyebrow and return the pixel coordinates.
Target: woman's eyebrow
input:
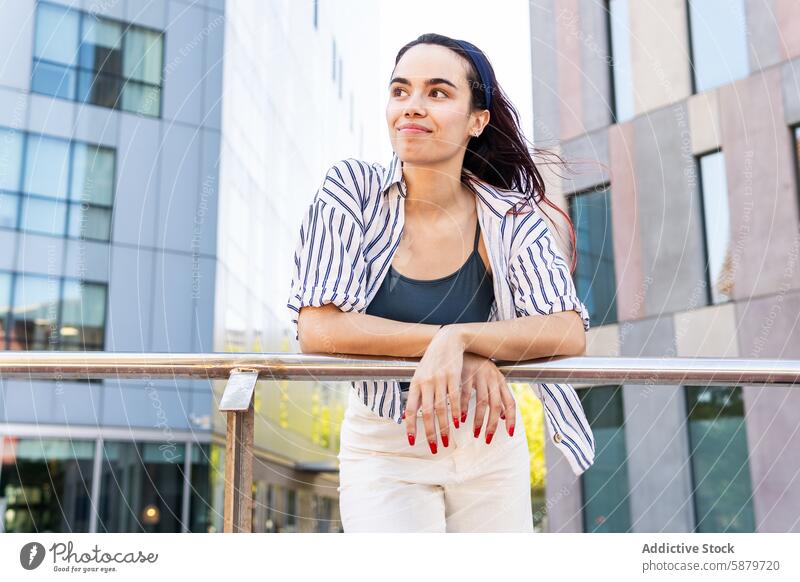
(433, 81)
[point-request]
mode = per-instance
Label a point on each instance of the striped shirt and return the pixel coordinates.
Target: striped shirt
(350, 233)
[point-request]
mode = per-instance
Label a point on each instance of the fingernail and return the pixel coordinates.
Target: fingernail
(411, 439)
(463, 417)
(489, 436)
(455, 421)
(433, 446)
(403, 415)
(445, 440)
(477, 432)
(502, 416)
(511, 431)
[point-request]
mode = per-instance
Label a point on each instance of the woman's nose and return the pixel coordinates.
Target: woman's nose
(414, 103)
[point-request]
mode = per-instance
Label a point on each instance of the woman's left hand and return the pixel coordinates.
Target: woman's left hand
(437, 377)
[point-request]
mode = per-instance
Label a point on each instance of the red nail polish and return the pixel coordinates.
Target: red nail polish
(489, 437)
(511, 431)
(477, 432)
(403, 415)
(411, 439)
(445, 440)
(502, 416)
(433, 446)
(463, 417)
(455, 421)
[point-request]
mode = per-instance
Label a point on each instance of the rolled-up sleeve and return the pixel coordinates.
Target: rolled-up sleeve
(541, 282)
(328, 261)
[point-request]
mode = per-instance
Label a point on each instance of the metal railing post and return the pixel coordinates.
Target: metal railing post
(237, 402)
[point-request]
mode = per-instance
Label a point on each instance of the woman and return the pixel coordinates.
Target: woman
(380, 269)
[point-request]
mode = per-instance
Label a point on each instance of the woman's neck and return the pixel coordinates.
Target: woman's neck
(434, 190)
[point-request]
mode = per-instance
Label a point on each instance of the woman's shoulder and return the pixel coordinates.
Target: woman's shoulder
(349, 185)
(356, 179)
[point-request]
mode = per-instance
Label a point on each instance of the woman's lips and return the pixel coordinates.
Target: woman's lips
(412, 130)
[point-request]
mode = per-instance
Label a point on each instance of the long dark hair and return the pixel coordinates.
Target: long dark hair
(499, 155)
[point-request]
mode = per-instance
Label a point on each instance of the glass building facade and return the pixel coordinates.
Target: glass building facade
(47, 485)
(112, 171)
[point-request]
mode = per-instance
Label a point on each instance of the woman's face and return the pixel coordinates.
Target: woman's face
(441, 107)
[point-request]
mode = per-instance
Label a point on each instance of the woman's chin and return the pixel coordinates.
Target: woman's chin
(412, 152)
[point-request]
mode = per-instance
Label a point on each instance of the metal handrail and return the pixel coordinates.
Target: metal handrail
(282, 366)
(243, 370)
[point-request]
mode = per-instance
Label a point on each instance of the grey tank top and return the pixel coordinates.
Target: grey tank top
(464, 296)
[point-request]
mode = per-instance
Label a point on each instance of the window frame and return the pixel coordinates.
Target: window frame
(692, 56)
(62, 280)
(709, 296)
(78, 69)
(794, 139)
(570, 199)
(687, 390)
(21, 195)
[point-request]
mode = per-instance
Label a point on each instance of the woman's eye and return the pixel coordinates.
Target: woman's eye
(396, 89)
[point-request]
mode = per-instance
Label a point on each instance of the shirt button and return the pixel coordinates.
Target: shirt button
(557, 438)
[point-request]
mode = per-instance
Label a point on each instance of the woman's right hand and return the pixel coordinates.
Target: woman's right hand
(482, 375)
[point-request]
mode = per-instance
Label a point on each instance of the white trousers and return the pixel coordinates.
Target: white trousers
(387, 485)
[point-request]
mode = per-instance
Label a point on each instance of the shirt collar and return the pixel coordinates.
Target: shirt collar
(500, 201)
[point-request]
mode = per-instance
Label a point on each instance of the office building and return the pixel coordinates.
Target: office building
(681, 123)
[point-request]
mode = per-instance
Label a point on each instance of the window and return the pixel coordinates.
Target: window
(716, 221)
(141, 487)
(618, 27)
(795, 133)
(718, 42)
(718, 452)
(83, 310)
(207, 488)
(269, 518)
(260, 509)
(323, 509)
(56, 187)
(340, 78)
(45, 484)
(605, 484)
(5, 305)
(291, 510)
(97, 60)
(34, 313)
(333, 74)
(11, 147)
(595, 280)
(51, 313)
